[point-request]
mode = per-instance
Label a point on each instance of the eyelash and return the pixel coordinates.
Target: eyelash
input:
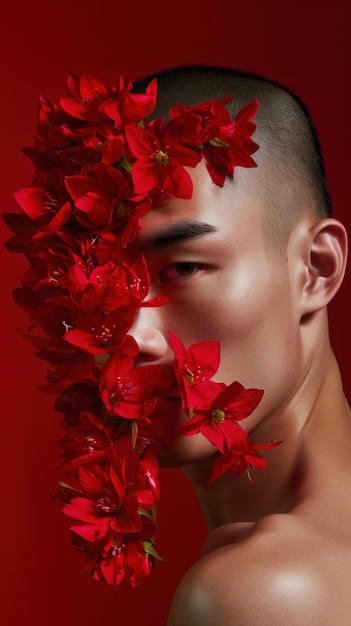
(166, 273)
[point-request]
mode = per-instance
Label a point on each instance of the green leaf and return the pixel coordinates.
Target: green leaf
(66, 486)
(123, 162)
(150, 549)
(219, 143)
(142, 511)
(134, 433)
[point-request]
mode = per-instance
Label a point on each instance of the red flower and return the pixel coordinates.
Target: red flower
(241, 458)
(233, 146)
(197, 363)
(98, 199)
(67, 366)
(218, 423)
(50, 120)
(23, 228)
(130, 108)
(193, 369)
(147, 472)
(49, 212)
(110, 512)
(75, 400)
(86, 443)
(85, 99)
(98, 333)
(210, 115)
(106, 287)
(129, 559)
(118, 529)
(130, 392)
(158, 427)
(160, 163)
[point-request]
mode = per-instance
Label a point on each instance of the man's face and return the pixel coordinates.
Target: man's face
(209, 256)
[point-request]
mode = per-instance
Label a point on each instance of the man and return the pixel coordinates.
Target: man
(250, 264)
(254, 265)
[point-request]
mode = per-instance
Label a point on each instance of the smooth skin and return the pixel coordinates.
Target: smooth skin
(279, 549)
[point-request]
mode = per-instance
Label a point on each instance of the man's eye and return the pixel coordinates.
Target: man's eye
(178, 270)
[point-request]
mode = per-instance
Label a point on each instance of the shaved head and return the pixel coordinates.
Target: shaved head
(290, 174)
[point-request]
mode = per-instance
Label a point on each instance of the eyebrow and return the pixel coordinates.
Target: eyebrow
(178, 232)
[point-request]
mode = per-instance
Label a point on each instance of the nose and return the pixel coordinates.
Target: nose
(151, 338)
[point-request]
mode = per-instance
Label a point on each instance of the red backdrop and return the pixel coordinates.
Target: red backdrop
(305, 46)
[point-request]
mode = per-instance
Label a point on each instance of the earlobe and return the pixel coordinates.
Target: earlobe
(326, 264)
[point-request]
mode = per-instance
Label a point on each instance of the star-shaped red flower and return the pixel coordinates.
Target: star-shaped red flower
(218, 421)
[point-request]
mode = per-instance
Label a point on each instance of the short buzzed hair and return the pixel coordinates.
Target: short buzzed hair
(292, 176)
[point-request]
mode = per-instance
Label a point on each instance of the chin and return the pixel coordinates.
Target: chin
(183, 450)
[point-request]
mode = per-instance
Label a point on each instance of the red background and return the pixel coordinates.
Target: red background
(304, 45)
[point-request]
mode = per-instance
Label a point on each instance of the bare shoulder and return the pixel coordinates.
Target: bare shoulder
(282, 572)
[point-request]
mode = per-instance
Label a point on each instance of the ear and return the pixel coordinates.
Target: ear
(325, 265)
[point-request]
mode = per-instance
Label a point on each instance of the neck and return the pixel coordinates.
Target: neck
(302, 470)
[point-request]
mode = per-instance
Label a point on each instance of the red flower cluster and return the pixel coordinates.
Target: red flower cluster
(98, 168)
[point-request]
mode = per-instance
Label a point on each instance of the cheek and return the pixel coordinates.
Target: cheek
(225, 304)
(250, 313)
(263, 349)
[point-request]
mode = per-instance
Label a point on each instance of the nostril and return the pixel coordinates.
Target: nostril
(151, 337)
(153, 347)
(143, 359)
(148, 359)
